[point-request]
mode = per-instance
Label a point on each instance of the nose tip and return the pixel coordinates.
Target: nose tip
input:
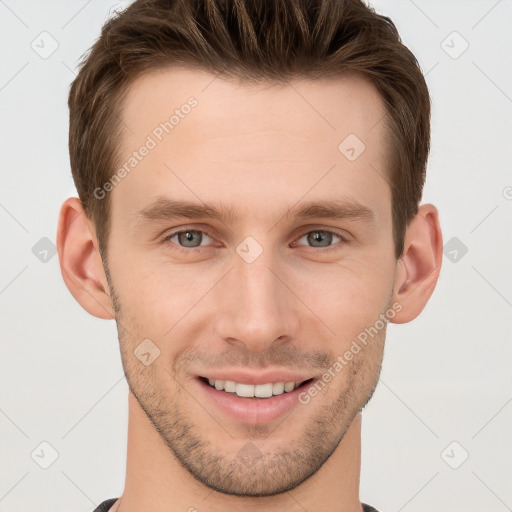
(254, 342)
(256, 306)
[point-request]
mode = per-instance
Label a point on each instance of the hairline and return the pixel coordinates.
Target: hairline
(120, 97)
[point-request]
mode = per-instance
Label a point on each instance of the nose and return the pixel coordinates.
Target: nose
(255, 304)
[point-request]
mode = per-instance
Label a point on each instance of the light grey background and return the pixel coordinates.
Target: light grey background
(446, 375)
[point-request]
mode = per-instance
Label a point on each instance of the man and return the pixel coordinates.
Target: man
(249, 178)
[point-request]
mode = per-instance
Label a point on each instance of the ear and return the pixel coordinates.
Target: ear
(80, 261)
(419, 266)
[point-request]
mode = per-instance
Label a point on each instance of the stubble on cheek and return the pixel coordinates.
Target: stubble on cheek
(181, 422)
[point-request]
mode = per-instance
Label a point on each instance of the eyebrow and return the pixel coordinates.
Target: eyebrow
(164, 208)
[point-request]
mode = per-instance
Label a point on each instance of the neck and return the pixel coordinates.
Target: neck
(156, 481)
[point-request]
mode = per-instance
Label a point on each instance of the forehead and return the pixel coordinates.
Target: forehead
(211, 138)
(300, 106)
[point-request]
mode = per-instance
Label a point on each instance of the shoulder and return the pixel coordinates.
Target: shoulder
(368, 508)
(106, 505)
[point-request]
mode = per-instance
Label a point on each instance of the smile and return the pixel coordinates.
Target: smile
(254, 390)
(252, 404)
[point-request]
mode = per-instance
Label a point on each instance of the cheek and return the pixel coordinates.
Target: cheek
(166, 297)
(348, 297)
(163, 297)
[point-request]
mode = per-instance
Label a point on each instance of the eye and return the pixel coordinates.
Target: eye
(192, 239)
(187, 238)
(323, 238)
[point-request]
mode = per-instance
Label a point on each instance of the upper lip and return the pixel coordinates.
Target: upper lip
(257, 376)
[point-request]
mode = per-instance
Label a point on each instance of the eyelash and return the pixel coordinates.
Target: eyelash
(343, 240)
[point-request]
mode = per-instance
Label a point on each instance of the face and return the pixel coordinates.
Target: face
(257, 295)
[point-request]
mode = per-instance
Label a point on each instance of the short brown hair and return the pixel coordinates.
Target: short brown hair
(248, 40)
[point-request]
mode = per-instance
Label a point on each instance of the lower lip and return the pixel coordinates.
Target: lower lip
(253, 411)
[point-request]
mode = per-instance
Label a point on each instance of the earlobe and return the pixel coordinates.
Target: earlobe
(420, 264)
(80, 260)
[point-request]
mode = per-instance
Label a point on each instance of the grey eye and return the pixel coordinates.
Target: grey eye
(320, 237)
(188, 238)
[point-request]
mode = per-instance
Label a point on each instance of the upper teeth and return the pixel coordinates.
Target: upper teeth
(251, 390)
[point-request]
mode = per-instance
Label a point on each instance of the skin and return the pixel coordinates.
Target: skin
(259, 149)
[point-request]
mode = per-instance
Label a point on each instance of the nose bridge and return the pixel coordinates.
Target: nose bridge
(256, 303)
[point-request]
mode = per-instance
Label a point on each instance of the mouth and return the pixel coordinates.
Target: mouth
(253, 404)
(255, 391)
